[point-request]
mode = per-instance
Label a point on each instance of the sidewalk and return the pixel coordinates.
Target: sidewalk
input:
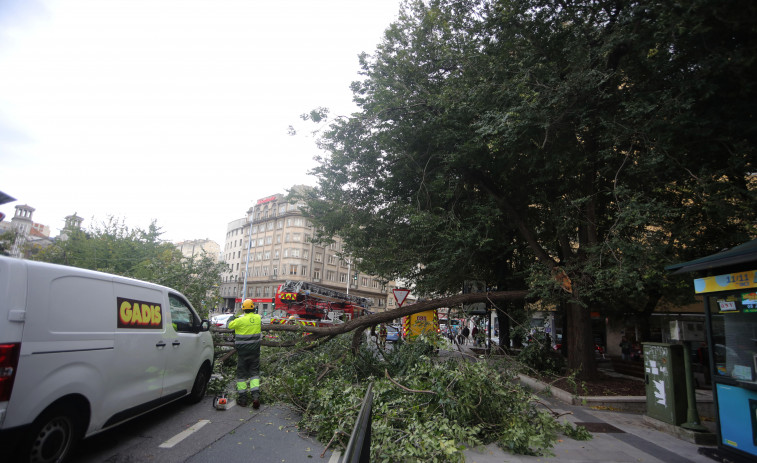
(618, 437)
(621, 432)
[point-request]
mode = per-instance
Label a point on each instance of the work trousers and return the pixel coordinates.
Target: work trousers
(248, 368)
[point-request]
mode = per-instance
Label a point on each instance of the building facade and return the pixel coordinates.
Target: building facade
(274, 243)
(196, 248)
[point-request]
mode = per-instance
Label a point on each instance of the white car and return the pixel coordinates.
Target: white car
(220, 321)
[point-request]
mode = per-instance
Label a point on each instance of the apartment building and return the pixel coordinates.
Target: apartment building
(198, 248)
(273, 243)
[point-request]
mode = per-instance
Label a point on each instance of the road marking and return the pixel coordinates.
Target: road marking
(335, 457)
(183, 435)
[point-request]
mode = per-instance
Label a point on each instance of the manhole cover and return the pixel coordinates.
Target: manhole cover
(592, 426)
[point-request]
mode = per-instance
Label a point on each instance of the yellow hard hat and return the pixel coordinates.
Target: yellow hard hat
(291, 317)
(248, 304)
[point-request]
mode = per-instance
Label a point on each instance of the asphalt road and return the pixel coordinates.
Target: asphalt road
(199, 433)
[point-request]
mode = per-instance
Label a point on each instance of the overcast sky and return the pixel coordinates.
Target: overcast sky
(173, 110)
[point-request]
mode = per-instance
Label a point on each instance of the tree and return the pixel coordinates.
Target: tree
(113, 247)
(591, 142)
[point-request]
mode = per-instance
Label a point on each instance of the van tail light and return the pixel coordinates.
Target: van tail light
(8, 366)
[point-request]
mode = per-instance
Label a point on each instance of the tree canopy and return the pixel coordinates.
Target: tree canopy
(510, 139)
(113, 247)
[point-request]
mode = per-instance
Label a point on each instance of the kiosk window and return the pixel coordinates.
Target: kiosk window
(734, 333)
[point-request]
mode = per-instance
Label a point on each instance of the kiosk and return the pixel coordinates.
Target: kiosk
(729, 289)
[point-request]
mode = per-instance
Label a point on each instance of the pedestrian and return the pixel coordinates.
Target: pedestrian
(466, 333)
(474, 332)
(382, 335)
(247, 330)
(625, 349)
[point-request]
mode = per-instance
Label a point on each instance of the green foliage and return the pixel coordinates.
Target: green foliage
(440, 408)
(6, 241)
(539, 356)
(607, 138)
(113, 247)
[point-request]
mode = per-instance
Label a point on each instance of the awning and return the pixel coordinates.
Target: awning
(736, 256)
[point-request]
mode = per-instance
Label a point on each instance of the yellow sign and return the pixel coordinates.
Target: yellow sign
(139, 314)
(728, 282)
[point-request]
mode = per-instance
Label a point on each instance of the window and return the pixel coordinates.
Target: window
(260, 242)
(289, 222)
(330, 275)
(317, 274)
(295, 253)
(270, 225)
(267, 291)
(265, 270)
(296, 237)
(254, 228)
(364, 281)
(267, 255)
(292, 207)
(259, 256)
(305, 254)
(278, 239)
(182, 317)
(275, 270)
(280, 224)
(375, 284)
(293, 269)
(318, 257)
(257, 291)
(342, 278)
(303, 270)
(286, 238)
(269, 240)
(332, 259)
(286, 252)
(256, 271)
(282, 208)
(276, 254)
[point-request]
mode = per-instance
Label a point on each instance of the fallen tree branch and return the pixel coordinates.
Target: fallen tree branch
(415, 391)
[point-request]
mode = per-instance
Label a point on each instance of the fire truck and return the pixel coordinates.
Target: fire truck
(313, 305)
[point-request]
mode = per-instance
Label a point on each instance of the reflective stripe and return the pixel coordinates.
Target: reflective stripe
(241, 385)
(255, 384)
(248, 337)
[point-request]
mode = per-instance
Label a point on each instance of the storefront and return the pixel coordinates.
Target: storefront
(729, 290)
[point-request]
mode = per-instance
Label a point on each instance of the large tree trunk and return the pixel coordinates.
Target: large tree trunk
(580, 341)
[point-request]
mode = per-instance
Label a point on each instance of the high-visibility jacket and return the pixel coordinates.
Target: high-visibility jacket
(247, 328)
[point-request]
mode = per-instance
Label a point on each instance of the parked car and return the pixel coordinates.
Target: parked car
(392, 333)
(220, 321)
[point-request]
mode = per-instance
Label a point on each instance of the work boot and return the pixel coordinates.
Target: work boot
(256, 404)
(243, 400)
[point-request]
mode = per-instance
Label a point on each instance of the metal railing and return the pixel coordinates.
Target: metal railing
(359, 447)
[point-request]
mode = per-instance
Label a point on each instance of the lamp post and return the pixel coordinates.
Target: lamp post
(247, 262)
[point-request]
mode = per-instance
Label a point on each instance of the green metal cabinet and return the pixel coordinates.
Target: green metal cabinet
(665, 378)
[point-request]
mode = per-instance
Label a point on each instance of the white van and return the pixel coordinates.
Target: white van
(82, 351)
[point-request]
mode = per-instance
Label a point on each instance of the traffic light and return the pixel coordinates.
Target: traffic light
(355, 276)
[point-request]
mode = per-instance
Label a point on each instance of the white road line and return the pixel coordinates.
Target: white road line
(335, 457)
(183, 435)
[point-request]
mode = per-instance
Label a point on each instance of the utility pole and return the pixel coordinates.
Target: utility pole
(249, 247)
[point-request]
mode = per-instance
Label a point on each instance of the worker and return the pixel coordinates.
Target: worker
(247, 330)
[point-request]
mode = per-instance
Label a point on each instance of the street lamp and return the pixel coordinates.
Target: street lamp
(247, 262)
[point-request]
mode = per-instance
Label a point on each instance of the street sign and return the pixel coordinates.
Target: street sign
(400, 294)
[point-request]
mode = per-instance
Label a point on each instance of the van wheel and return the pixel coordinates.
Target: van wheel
(54, 435)
(200, 386)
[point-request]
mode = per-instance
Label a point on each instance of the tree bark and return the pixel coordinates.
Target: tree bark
(359, 324)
